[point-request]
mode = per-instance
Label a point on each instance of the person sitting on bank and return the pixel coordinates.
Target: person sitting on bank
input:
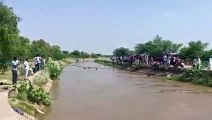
(15, 64)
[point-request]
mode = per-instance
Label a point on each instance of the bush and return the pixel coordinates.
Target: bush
(23, 86)
(54, 68)
(39, 96)
(192, 74)
(34, 95)
(195, 76)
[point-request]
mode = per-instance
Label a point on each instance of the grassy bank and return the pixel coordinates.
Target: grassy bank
(194, 76)
(30, 97)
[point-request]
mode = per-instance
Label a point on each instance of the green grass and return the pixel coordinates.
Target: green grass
(6, 76)
(26, 107)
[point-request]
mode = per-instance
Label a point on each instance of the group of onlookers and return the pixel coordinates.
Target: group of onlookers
(39, 63)
(165, 60)
(172, 60)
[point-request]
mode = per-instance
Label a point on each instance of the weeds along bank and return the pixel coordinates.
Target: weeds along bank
(30, 97)
(192, 75)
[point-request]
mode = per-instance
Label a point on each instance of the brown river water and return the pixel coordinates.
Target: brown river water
(104, 94)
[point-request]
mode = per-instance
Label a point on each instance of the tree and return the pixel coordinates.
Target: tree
(157, 46)
(75, 53)
(8, 35)
(194, 49)
(66, 53)
(207, 55)
(121, 52)
(8, 32)
(23, 47)
(40, 47)
(57, 53)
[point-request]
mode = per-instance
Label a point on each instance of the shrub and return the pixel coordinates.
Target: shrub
(195, 76)
(39, 96)
(22, 86)
(33, 94)
(54, 69)
(190, 75)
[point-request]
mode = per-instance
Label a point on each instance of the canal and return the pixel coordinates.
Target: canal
(104, 94)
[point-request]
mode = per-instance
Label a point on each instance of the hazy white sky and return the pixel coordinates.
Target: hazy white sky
(100, 26)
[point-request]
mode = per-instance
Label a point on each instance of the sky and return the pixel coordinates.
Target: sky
(100, 26)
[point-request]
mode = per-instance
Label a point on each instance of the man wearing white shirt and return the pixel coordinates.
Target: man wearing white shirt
(199, 63)
(37, 61)
(210, 63)
(27, 68)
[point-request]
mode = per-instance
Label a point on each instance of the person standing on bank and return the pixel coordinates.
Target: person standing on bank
(39, 62)
(27, 68)
(199, 63)
(210, 63)
(15, 64)
(43, 62)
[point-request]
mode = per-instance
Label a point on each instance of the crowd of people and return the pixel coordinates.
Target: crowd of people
(169, 60)
(39, 63)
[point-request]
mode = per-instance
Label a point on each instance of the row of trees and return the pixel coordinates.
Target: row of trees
(158, 45)
(12, 44)
(81, 54)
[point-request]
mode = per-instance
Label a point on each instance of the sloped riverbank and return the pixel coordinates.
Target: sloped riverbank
(194, 76)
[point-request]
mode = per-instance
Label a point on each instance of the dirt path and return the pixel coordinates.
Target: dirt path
(104, 94)
(6, 112)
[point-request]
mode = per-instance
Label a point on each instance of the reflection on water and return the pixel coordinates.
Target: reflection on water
(104, 94)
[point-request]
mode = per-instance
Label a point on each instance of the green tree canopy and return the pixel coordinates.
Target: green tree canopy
(40, 47)
(121, 51)
(57, 53)
(157, 46)
(65, 53)
(23, 47)
(194, 49)
(8, 32)
(75, 53)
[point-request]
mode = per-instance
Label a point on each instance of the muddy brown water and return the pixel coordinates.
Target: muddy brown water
(104, 94)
